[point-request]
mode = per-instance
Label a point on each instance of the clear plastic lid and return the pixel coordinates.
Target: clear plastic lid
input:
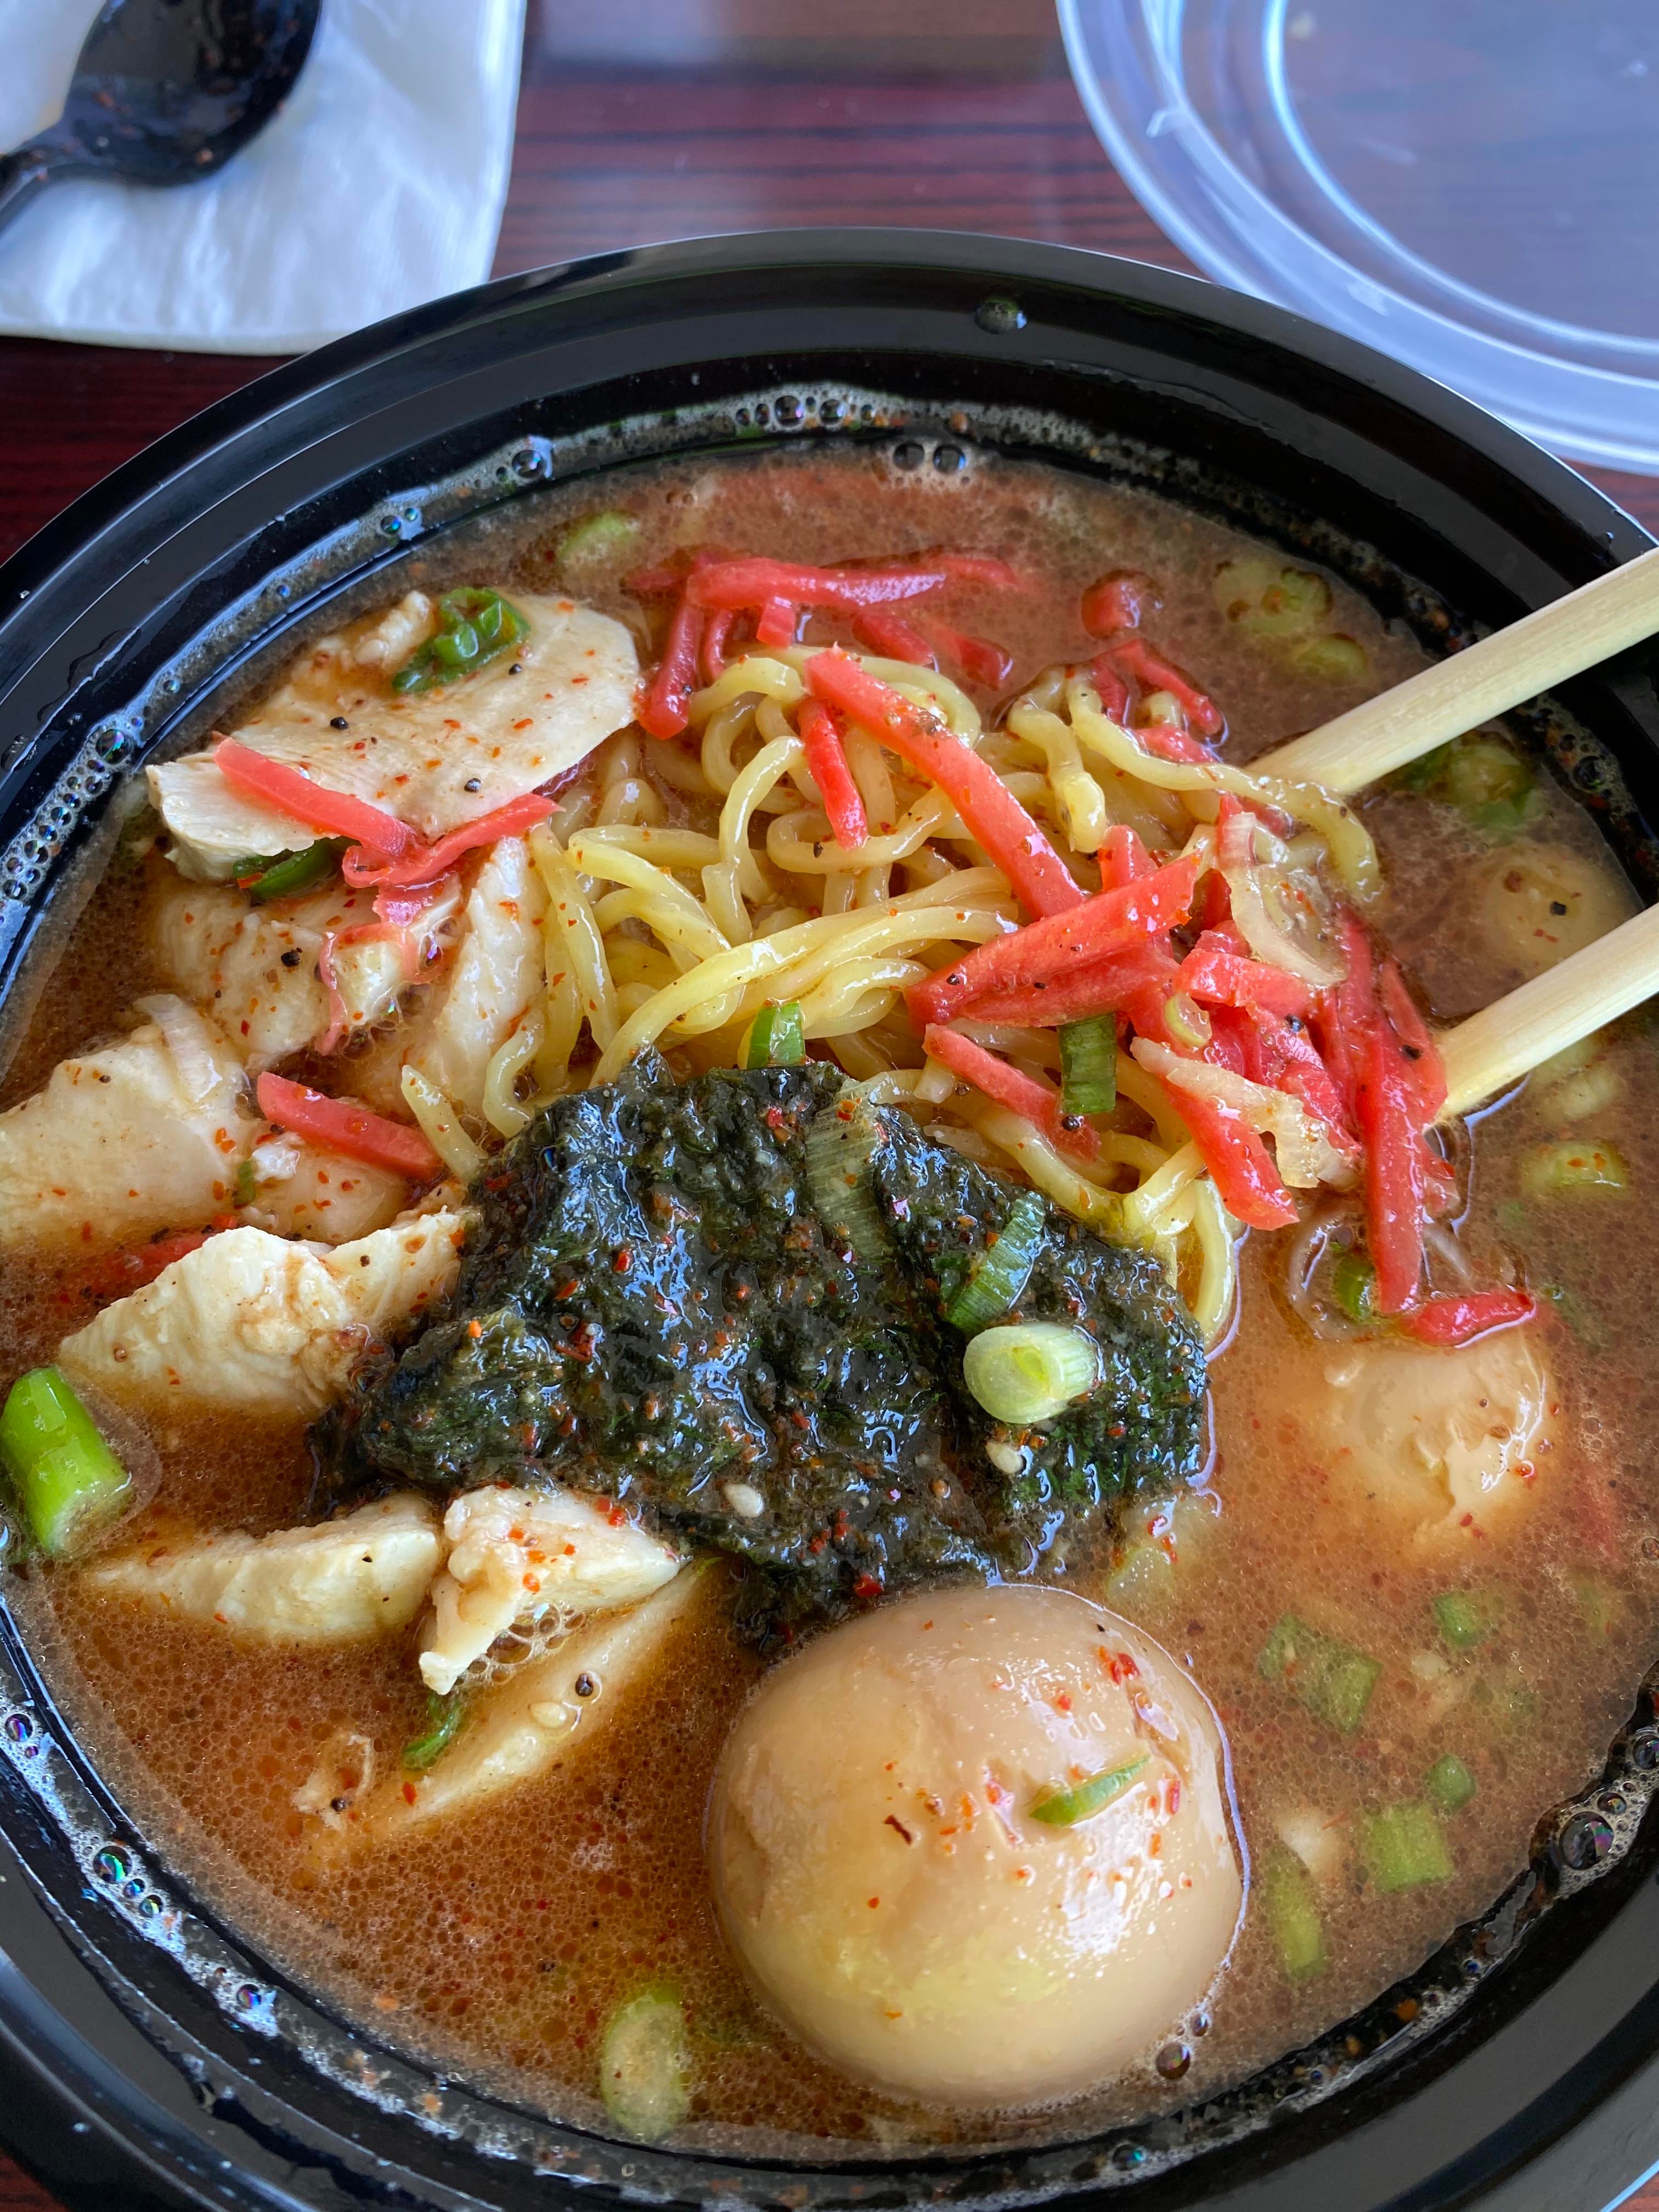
(1469, 186)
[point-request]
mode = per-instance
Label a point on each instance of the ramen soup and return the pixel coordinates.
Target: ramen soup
(755, 1386)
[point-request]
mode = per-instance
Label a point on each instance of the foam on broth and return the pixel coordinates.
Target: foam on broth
(499, 1945)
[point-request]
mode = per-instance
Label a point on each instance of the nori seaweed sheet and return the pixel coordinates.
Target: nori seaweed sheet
(652, 1307)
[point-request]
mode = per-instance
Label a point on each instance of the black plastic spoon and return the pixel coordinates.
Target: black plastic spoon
(167, 90)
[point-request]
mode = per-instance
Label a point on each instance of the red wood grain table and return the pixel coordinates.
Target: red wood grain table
(647, 120)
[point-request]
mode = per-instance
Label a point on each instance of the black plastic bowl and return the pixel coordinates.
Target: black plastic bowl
(151, 2056)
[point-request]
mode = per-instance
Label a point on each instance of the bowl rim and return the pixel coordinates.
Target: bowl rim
(1607, 2021)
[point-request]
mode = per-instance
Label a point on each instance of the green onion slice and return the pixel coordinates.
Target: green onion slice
(66, 1479)
(1029, 1372)
(1450, 1783)
(1293, 1916)
(1088, 1064)
(1404, 1846)
(597, 539)
(843, 1141)
(1466, 1617)
(446, 1715)
(777, 1037)
(1332, 1678)
(645, 2064)
(1353, 1284)
(285, 875)
(474, 626)
(1061, 1807)
(1000, 1274)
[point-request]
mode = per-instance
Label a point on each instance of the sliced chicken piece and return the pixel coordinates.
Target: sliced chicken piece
(304, 1190)
(252, 1321)
(342, 1581)
(140, 1135)
(262, 971)
(497, 975)
(435, 759)
(538, 1718)
(516, 1556)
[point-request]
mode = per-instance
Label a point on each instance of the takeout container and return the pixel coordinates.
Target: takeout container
(151, 2056)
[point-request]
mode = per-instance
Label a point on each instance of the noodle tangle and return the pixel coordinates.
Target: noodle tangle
(692, 885)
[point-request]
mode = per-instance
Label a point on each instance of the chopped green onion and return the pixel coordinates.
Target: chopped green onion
(474, 626)
(596, 540)
(1059, 1808)
(645, 2065)
(1332, 1678)
(1571, 1170)
(1334, 659)
(286, 874)
(1028, 1371)
(1424, 773)
(1466, 1618)
(1404, 1846)
(1450, 1783)
(1266, 601)
(843, 1141)
(1487, 782)
(1088, 1064)
(776, 1038)
(247, 1183)
(66, 1478)
(1353, 1285)
(998, 1277)
(446, 1715)
(1298, 1936)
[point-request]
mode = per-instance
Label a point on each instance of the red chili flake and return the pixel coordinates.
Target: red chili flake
(1062, 1702)
(866, 1588)
(1174, 1796)
(873, 1903)
(615, 1515)
(408, 1792)
(1120, 1666)
(624, 1259)
(893, 1821)
(776, 1119)
(475, 1329)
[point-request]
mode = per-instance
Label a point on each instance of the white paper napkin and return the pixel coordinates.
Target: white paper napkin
(379, 185)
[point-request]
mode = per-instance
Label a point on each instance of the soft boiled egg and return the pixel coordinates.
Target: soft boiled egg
(975, 1846)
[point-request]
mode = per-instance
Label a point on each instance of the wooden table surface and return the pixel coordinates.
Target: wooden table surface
(647, 120)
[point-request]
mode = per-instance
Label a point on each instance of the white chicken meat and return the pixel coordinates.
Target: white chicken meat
(341, 1581)
(517, 1556)
(536, 1719)
(301, 1189)
(496, 976)
(250, 1320)
(435, 759)
(262, 972)
(143, 1134)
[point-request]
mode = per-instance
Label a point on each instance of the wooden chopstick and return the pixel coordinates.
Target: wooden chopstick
(1572, 634)
(1518, 1032)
